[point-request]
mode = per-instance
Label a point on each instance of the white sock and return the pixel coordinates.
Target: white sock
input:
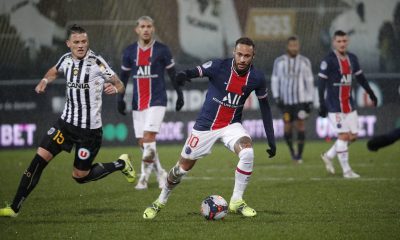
(343, 154)
(157, 165)
(149, 149)
(331, 153)
(176, 175)
(243, 173)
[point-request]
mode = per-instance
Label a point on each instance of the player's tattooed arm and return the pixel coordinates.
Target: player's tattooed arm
(117, 84)
(49, 77)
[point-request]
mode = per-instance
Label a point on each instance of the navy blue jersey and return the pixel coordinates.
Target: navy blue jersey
(147, 66)
(227, 93)
(339, 74)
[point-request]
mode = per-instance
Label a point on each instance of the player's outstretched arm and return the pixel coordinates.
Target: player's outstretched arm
(186, 76)
(114, 86)
(268, 125)
(121, 105)
(49, 77)
(323, 111)
(364, 83)
(180, 100)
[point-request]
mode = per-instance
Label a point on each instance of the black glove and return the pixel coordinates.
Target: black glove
(373, 98)
(308, 107)
(279, 103)
(181, 78)
(323, 112)
(121, 106)
(271, 151)
(179, 102)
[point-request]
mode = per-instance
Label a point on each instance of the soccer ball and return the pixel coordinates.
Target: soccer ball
(214, 207)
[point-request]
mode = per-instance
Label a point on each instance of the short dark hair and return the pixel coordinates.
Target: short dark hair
(339, 33)
(246, 41)
(292, 38)
(75, 29)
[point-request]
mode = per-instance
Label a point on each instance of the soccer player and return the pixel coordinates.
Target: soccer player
(87, 75)
(230, 83)
(292, 84)
(146, 60)
(378, 142)
(335, 75)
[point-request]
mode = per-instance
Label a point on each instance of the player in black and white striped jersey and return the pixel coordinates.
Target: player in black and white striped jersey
(87, 76)
(292, 84)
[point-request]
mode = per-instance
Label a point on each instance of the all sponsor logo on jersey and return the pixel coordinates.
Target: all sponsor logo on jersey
(345, 80)
(83, 153)
(144, 72)
(78, 85)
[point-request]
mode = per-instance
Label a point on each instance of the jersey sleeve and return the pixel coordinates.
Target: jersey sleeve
(208, 69)
(323, 69)
(126, 60)
(104, 68)
(356, 66)
(60, 63)
(262, 91)
(168, 59)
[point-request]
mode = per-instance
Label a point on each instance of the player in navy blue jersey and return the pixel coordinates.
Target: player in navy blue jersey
(335, 76)
(230, 83)
(146, 61)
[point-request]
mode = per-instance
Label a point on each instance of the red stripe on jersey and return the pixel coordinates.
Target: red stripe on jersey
(144, 84)
(223, 118)
(345, 90)
(236, 82)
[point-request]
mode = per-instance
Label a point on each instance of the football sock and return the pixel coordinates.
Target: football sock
(300, 143)
(243, 173)
(174, 178)
(289, 141)
(100, 170)
(157, 165)
(331, 153)
(29, 180)
(149, 153)
(343, 154)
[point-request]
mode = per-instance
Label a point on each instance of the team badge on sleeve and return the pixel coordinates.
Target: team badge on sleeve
(324, 65)
(207, 64)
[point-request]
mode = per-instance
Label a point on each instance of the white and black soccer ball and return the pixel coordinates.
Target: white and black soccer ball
(214, 207)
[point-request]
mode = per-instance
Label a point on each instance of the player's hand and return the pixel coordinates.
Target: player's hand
(41, 87)
(121, 106)
(110, 89)
(271, 151)
(181, 78)
(374, 99)
(180, 101)
(323, 112)
(308, 107)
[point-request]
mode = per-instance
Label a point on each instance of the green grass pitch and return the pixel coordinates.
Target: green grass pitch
(292, 201)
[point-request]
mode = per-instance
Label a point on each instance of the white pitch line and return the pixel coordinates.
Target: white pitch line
(290, 179)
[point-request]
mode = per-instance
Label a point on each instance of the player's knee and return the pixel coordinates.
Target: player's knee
(242, 143)
(80, 180)
(80, 176)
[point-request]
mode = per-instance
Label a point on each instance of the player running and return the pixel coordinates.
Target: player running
(230, 83)
(87, 76)
(146, 60)
(335, 75)
(292, 85)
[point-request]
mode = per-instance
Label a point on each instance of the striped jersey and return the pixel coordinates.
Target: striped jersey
(227, 92)
(338, 74)
(147, 67)
(85, 79)
(292, 80)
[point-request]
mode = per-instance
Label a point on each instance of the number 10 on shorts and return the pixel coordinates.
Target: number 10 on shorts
(193, 141)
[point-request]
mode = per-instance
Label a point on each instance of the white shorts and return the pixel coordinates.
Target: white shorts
(344, 122)
(148, 120)
(199, 143)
